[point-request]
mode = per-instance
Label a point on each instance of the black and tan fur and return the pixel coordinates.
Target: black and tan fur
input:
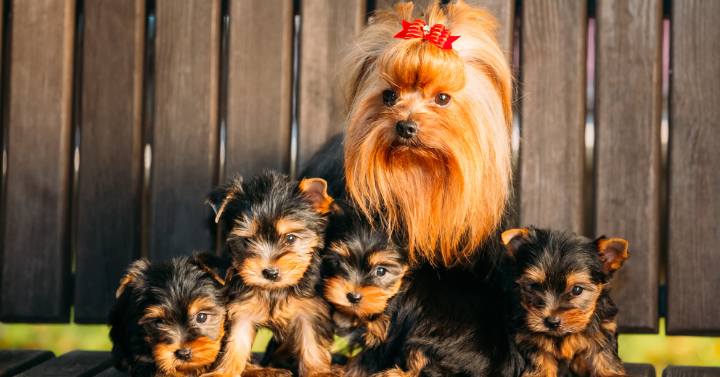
(275, 234)
(168, 319)
(568, 319)
(362, 271)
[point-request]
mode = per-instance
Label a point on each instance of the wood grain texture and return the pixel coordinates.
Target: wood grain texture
(259, 86)
(694, 158)
(504, 12)
(328, 27)
(640, 370)
(627, 150)
(72, 364)
(675, 371)
(110, 179)
(13, 362)
(36, 260)
(185, 141)
(552, 122)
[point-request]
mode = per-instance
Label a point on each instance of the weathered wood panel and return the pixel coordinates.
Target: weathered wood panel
(627, 149)
(36, 260)
(553, 113)
(640, 370)
(13, 362)
(259, 86)
(673, 371)
(72, 364)
(185, 140)
(504, 11)
(694, 158)
(110, 179)
(328, 27)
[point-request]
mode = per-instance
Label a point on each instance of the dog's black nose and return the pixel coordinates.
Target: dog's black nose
(552, 322)
(406, 129)
(271, 273)
(354, 297)
(183, 354)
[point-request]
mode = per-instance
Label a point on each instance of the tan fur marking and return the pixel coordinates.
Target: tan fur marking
(286, 226)
(383, 257)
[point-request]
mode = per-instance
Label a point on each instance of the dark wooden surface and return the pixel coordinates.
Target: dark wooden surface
(694, 200)
(675, 371)
(36, 258)
(185, 140)
(640, 370)
(259, 86)
(627, 149)
(107, 201)
(13, 362)
(328, 27)
(72, 364)
(553, 113)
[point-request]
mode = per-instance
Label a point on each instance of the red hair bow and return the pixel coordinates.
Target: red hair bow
(438, 34)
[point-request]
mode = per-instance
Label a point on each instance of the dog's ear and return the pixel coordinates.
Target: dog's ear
(613, 253)
(514, 238)
(133, 277)
(315, 191)
(221, 196)
(213, 265)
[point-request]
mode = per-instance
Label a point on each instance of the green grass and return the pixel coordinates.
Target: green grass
(659, 350)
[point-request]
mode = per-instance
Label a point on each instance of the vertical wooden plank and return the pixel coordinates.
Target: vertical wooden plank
(627, 149)
(184, 157)
(110, 179)
(259, 86)
(504, 12)
(553, 113)
(694, 158)
(35, 268)
(328, 27)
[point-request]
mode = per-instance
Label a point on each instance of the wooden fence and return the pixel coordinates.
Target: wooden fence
(119, 116)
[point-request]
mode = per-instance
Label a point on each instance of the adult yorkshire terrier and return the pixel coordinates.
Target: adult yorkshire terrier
(428, 134)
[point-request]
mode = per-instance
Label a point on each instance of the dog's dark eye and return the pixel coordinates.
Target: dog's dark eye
(535, 287)
(442, 99)
(380, 271)
(290, 238)
(577, 290)
(389, 97)
(201, 317)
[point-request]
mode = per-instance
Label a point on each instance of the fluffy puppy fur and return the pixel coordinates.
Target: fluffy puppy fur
(362, 271)
(275, 233)
(567, 316)
(168, 319)
(456, 163)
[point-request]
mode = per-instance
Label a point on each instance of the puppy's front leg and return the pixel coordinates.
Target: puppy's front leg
(313, 349)
(542, 364)
(605, 363)
(416, 361)
(238, 348)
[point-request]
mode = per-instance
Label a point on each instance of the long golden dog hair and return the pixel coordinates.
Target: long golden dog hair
(445, 191)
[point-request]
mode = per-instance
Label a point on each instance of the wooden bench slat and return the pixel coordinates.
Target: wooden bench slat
(681, 371)
(111, 372)
(13, 362)
(640, 370)
(627, 150)
(36, 258)
(552, 124)
(72, 364)
(259, 86)
(694, 158)
(110, 180)
(328, 27)
(504, 11)
(185, 137)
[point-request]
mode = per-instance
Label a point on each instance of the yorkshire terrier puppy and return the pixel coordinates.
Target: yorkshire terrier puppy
(275, 234)
(428, 133)
(168, 319)
(568, 317)
(362, 271)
